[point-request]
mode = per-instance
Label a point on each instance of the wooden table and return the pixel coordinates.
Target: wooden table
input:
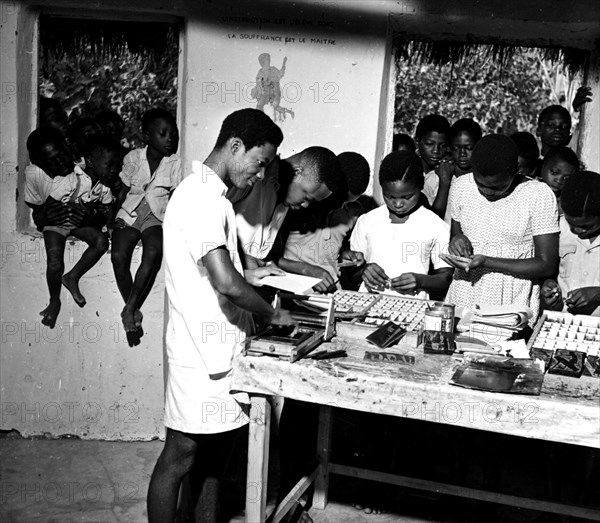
(567, 411)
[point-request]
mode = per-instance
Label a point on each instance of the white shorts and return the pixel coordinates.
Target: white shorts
(195, 404)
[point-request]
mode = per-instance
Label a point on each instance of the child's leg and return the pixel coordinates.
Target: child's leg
(123, 242)
(152, 243)
(97, 246)
(54, 243)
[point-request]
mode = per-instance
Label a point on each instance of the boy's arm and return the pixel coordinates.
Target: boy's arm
(445, 171)
(121, 195)
(226, 280)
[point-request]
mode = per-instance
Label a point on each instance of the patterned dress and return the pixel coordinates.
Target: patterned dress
(503, 229)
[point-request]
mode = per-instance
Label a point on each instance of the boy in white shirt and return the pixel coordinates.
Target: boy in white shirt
(149, 177)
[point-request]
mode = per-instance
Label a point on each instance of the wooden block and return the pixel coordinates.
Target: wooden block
(567, 363)
(389, 357)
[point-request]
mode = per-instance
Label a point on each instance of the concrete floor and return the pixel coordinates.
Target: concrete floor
(69, 480)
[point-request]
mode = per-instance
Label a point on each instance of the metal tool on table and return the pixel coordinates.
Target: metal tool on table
(315, 316)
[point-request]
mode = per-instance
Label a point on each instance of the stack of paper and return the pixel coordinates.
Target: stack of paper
(513, 317)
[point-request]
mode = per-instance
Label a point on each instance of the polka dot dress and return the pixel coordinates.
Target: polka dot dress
(503, 229)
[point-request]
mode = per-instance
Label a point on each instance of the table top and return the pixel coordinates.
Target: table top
(566, 411)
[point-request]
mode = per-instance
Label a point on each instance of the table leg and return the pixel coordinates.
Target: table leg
(258, 459)
(320, 498)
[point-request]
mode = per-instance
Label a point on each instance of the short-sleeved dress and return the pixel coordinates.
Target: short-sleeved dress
(503, 229)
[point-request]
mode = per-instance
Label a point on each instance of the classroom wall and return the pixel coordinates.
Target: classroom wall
(82, 378)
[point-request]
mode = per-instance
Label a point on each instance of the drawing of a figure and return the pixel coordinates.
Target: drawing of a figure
(268, 89)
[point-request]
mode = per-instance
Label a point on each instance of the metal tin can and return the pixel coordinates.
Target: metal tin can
(448, 310)
(433, 320)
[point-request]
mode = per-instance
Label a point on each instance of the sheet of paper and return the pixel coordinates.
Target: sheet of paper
(296, 283)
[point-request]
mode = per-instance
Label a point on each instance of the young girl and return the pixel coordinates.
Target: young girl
(507, 225)
(577, 289)
(149, 177)
(399, 239)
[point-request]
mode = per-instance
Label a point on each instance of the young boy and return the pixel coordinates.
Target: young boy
(87, 191)
(432, 134)
(293, 183)
(210, 307)
(554, 128)
(149, 177)
(529, 152)
(313, 246)
(400, 239)
(577, 289)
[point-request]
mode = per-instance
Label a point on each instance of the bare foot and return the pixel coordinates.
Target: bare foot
(72, 285)
(128, 317)
(369, 510)
(50, 314)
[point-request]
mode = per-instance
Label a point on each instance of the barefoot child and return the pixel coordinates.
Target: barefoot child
(88, 195)
(149, 177)
(577, 288)
(399, 239)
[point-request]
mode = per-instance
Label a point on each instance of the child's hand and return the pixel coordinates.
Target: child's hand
(583, 95)
(445, 170)
(353, 256)
(551, 294)
(407, 283)
(328, 284)
(374, 277)
(583, 300)
(460, 245)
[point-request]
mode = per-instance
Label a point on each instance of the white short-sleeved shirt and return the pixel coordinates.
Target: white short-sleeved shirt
(78, 186)
(431, 186)
(504, 229)
(38, 185)
(579, 262)
(205, 330)
(156, 188)
(399, 248)
(259, 216)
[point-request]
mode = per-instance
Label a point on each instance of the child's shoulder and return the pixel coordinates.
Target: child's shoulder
(428, 218)
(135, 155)
(375, 215)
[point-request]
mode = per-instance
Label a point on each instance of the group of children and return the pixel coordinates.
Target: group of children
(83, 183)
(492, 199)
